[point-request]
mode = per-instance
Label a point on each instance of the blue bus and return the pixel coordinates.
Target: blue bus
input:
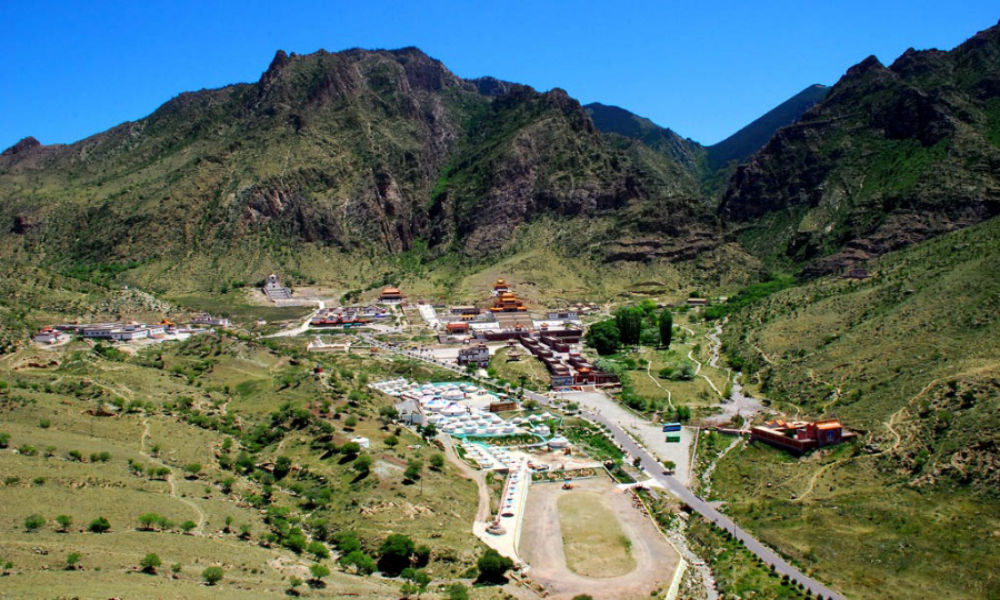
(671, 427)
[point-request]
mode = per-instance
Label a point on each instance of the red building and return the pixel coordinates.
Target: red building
(800, 436)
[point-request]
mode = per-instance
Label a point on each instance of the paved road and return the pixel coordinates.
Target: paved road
(655, 470)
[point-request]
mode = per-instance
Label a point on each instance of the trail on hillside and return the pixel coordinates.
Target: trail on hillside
(170, 478)
(650, 375)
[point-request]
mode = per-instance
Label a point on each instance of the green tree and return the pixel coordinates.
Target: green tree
(603, 336)
(212, 575)
(493, 567)
(363, 464)
(629, 322)
(666, 324)
(437, 461)
(149, 563)
(4, 440)
(350, 449)
(387, 414)
(392, 441)
(318, 572)
(192, 470)
(187, 526)
(64, 522)
(72, 559)
(347, 542)
(293, 583)
(361, 561)
(99, 525)
(430, 430)
(394, 554)
(413, 468)
(418, 580)
(33, 522)
(318, 549)
(147, 520)
(282, 467)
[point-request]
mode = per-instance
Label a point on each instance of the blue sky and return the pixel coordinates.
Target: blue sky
(72, 69)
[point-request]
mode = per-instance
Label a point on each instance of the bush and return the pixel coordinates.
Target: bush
(99, 525)
(347, 542)
(413, 467)
(361, 561)
(72, 559)
(318, 549)
(437, 461)
(33, 522)
(187, 526)
(363, 464)
(493, 567)
(4, 440)
(394, 554)
(212, 575)
(45, 423)
(27, 450)
(149, 563)
(192, 470)
(64, 522)
(457, 591)
(318, 572)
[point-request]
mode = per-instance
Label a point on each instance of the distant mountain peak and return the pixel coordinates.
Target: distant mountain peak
(22, 147)
(751, 138)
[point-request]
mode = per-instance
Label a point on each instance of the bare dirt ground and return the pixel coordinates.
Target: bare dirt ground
(542, 546)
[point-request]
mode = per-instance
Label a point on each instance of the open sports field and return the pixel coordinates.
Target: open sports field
(592, 540)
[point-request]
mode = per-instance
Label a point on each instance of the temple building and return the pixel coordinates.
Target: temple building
(500, 287)
(391, 295)
(507, 302)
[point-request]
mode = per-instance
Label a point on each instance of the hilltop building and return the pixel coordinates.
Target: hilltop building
(391, 295)
(500, 287)
(507, 302)
(274, 290)
(800, 437)
(207, 319)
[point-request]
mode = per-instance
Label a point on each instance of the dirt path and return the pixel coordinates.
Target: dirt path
(650, 375)
(483, 511)
(542, 546)
(200, 523)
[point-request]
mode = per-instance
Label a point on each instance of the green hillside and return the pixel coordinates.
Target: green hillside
(910, 359)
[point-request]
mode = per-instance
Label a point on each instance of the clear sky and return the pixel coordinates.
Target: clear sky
(704, 69)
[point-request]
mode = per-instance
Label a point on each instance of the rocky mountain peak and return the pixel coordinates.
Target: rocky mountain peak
(22, 147)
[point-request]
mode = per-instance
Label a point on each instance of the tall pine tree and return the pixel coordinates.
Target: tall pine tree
(666, 327)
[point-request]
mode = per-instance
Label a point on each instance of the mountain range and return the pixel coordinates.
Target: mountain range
(378, 153)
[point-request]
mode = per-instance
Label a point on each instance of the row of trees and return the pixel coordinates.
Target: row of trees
(34, 522)
(629, 328)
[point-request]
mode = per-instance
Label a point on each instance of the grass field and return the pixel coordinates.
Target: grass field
(533, 370)
(593, 540)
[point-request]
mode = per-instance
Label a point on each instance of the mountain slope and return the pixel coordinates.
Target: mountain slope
(370, 152)
(891, 156)
(617, 120)
(748, 140)
(910, 359)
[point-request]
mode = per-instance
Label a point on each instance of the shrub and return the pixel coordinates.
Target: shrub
(318, 572)
(4, 440)
(413, 467)
(392, 441)
(361, 561)
(74, 455)
(175, 568)
(187, 526)
(347, 542)
(394, 554)
(318, 549)
(363, 464)
(27, 450)
(457, 591)
(64, 522)
(192, 470)
(99, 525)
(33, 522)
(212, 575)
(493, 567)
(71, 560)
(45, 423)
(149, 563)
(437, 461)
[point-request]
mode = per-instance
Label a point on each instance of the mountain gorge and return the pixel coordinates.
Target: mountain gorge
(892, 156)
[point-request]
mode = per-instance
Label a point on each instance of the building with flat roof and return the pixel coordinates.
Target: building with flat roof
(474, 355)
(800, 437)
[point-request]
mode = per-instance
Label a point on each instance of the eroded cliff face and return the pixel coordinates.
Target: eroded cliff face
(892, 156)
(356, 149)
